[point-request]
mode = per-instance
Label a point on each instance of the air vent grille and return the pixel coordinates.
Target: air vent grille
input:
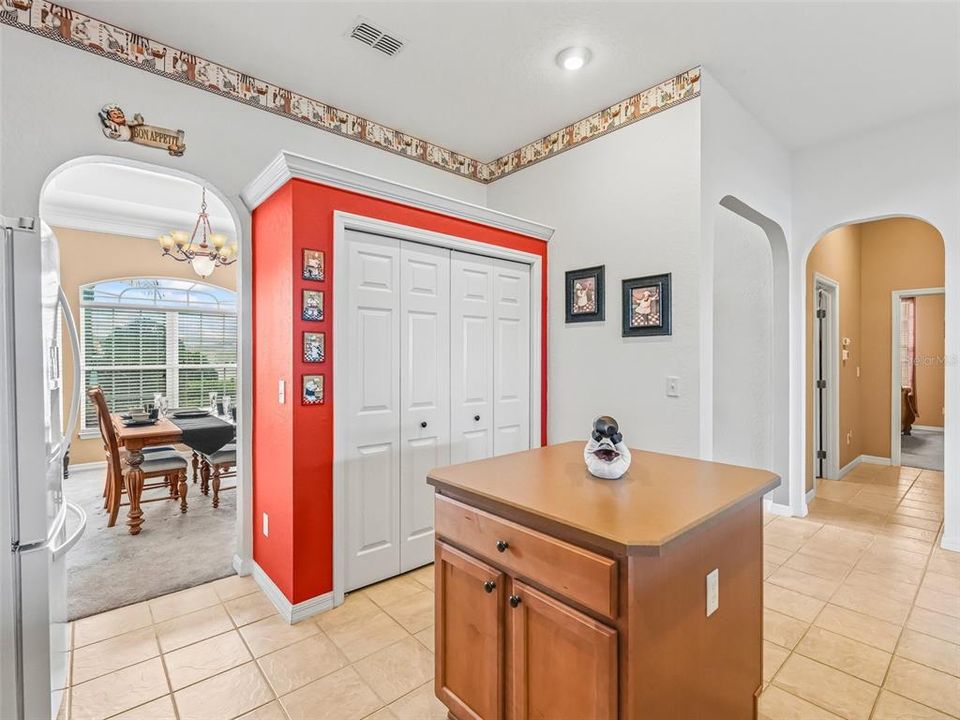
(371, 35)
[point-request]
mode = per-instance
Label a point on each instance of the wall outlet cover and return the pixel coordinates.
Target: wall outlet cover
(713, 591)
(266, 525)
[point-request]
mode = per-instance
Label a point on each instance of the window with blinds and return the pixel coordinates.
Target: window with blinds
(141, 337)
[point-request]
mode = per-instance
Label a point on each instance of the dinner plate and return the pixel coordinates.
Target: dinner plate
(139, 423)
(191, 413)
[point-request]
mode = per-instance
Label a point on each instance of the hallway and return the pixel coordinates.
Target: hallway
(861, 607)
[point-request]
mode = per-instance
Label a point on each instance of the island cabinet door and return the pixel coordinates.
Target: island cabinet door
(469, 635)
(561, 664)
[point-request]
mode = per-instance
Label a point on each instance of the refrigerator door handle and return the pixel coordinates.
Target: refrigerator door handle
(58, 551)
(74, 415)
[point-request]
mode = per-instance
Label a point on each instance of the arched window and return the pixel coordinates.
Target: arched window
(144, 336)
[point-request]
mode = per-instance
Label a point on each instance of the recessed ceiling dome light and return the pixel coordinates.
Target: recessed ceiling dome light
(573, 58)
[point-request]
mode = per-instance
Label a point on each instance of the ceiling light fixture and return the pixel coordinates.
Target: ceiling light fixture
(573, 58)
(202, 255)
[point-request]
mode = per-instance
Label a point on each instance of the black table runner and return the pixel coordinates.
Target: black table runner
(206, 435)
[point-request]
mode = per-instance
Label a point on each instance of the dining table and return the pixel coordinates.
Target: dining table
(134, 439)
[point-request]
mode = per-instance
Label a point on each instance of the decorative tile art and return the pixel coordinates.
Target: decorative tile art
(60, 23)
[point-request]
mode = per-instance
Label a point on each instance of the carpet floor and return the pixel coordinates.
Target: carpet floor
(922, 449)
(109, 568)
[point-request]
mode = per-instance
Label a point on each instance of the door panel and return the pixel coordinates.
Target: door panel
(549, 640)
(424, 393)
(372, 462)
(511, 352)
(471, 387)
(469, 635)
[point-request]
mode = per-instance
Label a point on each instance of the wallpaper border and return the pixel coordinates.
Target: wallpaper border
(62, 24)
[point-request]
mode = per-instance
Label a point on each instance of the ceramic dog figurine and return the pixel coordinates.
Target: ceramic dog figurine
(606, 454)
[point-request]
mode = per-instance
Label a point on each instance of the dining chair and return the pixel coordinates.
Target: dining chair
(166, 464)
(216, 466)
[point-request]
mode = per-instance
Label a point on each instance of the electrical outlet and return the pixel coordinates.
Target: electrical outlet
(713, 591)
(266, 525)
(673, 386)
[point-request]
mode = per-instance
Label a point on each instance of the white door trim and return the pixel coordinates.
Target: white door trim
(896, 296)
(342, 222)
(832, 466)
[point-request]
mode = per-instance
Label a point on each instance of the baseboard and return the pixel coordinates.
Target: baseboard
(242, 567)
(290, 612)
(950, 543)
(811, 493)
(876, 460)
(777, 508)
(848, 467)
(930, 428)
(79, 467)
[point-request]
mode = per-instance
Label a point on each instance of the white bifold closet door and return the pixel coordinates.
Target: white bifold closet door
(438, 351)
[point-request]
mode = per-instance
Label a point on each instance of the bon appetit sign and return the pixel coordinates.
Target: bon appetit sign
(117, 127)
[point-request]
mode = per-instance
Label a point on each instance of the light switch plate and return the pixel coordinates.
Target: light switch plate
(673, 386)
(266, 525)
(281, 391)
(713, 591)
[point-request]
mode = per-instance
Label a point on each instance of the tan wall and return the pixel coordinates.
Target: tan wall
(870, 261)
(87, 257)
(837, 256)
(898, 254)
(931, 328)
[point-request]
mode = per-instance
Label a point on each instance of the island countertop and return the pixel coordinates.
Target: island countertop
(660, 498)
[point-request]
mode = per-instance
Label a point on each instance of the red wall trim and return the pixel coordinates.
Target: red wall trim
(304, 568)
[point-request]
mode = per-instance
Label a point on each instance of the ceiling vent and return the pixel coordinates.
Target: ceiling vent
(369, 34)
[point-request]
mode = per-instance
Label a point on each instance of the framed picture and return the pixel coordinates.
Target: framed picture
(312, 390)
(646, 306)
(312, 264)
(314, 347)
(585, 295)
(312, 305)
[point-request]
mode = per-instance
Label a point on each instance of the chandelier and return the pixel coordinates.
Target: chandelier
(206, 252)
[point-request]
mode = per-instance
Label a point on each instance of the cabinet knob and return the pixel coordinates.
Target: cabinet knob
(423, 423)
(476, 418)
(489, 586)
(502, 545)
(514, 600)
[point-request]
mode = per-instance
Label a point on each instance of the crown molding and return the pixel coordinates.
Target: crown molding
(289, 166)
(62, 24)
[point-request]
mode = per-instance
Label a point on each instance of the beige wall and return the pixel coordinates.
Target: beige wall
(898, 254)
(87, 257)
(837, 256)
(870, 261)
(930, 357)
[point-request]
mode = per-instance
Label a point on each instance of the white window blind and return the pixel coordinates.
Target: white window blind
(146, 336)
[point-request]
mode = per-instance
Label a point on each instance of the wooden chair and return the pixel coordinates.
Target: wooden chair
(215, 467)
(168, 465)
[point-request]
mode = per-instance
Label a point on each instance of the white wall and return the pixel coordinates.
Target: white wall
(910, 169)
(742, 343)
(631, 201)
(746, 170)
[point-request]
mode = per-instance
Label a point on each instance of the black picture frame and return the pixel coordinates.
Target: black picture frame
(598, 314)
(632, 325)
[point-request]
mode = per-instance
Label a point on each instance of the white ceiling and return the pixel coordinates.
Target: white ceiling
(479, 77)
(125, 200)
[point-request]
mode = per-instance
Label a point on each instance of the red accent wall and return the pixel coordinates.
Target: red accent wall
(293, 443)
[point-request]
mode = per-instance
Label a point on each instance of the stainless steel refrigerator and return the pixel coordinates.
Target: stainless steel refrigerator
(34, 435)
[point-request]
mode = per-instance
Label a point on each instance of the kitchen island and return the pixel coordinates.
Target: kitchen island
(565, 597)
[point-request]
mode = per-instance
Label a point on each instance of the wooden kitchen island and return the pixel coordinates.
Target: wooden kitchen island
(564, 597)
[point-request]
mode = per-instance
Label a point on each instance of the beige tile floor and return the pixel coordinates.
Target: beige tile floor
(861, 606)
(861, 620)
(220, 651)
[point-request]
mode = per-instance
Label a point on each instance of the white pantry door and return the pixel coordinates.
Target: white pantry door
(471, 349)
(372, 421)
(511, 357)
(424, 392)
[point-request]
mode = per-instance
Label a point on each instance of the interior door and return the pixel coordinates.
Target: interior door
(511, 357)
(469, 635)
(372, 425)
(549, 640)
(424, 392)
(471, 338)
